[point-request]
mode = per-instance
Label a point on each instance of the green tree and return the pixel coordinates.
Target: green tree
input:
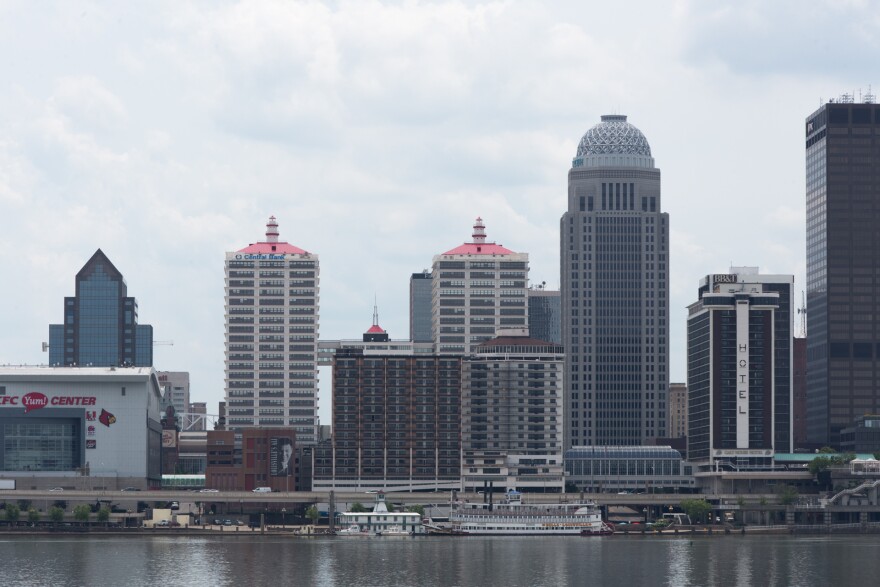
(696, 509)
(357, 507)
(827, 450)
(419, 509)
(56, 514)
(313, 514)
(571, 487)
(104, 514)
(12, 512)
(33, 515)
(788, 495)
(81, 513)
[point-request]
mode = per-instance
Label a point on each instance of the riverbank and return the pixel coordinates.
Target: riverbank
(319, 532)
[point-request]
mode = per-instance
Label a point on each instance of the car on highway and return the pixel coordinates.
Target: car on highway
(130, 489)
(209, 491)
(57, 489)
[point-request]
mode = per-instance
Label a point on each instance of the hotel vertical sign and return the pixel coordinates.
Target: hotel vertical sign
(742, 374)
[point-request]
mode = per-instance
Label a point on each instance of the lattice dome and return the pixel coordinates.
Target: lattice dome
(614, 136)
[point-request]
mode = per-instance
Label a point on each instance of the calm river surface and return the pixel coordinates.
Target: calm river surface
(483, 562)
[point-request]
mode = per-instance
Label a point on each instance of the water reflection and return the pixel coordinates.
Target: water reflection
(735, 561)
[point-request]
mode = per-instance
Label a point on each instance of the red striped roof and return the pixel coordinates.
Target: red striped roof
(479, 249)
(277, 248)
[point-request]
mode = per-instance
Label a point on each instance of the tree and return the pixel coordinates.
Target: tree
(788, 495)
(357, 507)
(696, 509)
(56, 514)
(313, 514)
(419, 509)
(571, 487)
(81, 513)
(33, 515)
(12, 512)
(104, 514)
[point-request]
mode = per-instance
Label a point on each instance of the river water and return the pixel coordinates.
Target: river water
(734, 560)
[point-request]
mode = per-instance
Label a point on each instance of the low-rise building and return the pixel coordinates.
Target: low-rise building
(80, 427)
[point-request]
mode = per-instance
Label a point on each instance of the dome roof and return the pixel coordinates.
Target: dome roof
(614, 136)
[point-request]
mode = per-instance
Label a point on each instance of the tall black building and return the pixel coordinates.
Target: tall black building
(843, 274)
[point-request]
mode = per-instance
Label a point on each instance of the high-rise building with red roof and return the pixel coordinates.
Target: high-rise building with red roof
(272, 318)
(477, 288)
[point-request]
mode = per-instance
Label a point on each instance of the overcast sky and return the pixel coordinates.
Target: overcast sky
(377, 131)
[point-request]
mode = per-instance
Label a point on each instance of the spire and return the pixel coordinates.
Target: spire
(375, 311)
(272, 230)
(479, 232)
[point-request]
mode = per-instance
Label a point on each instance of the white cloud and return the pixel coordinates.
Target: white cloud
(377, 131)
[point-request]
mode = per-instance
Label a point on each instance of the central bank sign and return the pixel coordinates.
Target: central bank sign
(267, 257)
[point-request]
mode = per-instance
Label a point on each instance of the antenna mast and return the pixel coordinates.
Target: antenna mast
(802, 311)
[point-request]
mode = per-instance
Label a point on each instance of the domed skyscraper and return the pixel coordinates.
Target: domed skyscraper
(615, 290)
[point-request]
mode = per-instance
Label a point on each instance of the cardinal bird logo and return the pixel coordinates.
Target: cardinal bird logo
(106, 418)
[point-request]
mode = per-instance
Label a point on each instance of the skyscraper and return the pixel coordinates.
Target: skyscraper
(843, 246)
(420, 307)
(740, 368)
(100, 322)
(615, 290)
(477, 288)
(272, 323)
(545, 315)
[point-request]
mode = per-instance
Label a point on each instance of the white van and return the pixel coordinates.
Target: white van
(262, 490)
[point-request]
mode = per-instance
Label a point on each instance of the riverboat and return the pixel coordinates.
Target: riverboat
(512, 517)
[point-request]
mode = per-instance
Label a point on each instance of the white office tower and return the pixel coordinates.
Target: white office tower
(477, 288)
(272, 322)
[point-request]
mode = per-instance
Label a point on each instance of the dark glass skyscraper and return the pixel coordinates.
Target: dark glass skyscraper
(843, 273)
(614, 253)
(101, 322)
(420, 288)
(545, 315)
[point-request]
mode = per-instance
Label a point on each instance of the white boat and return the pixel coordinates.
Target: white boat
(395, 531)
(512, 517)
(353, 530)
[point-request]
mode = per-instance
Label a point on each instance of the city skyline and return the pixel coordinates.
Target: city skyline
(167, 137)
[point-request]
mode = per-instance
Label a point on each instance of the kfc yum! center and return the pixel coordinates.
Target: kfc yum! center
(80, 427)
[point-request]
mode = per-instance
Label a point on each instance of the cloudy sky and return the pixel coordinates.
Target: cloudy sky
(377, 131)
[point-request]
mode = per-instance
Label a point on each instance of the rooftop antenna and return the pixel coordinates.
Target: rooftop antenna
(869, 97)
(802, 311)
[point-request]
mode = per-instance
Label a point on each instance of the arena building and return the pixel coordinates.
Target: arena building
(80, 427)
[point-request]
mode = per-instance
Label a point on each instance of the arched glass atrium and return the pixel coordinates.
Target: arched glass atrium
(635, 469)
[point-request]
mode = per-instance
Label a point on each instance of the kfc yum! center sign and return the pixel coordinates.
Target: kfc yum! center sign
(36, 401)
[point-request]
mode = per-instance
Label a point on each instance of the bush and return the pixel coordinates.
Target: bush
(56, 514)
(81, 513)
(33, 515)
(103, 514)
(12, 512)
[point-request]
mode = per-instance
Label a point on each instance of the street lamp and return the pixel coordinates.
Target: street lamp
(283, 517)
